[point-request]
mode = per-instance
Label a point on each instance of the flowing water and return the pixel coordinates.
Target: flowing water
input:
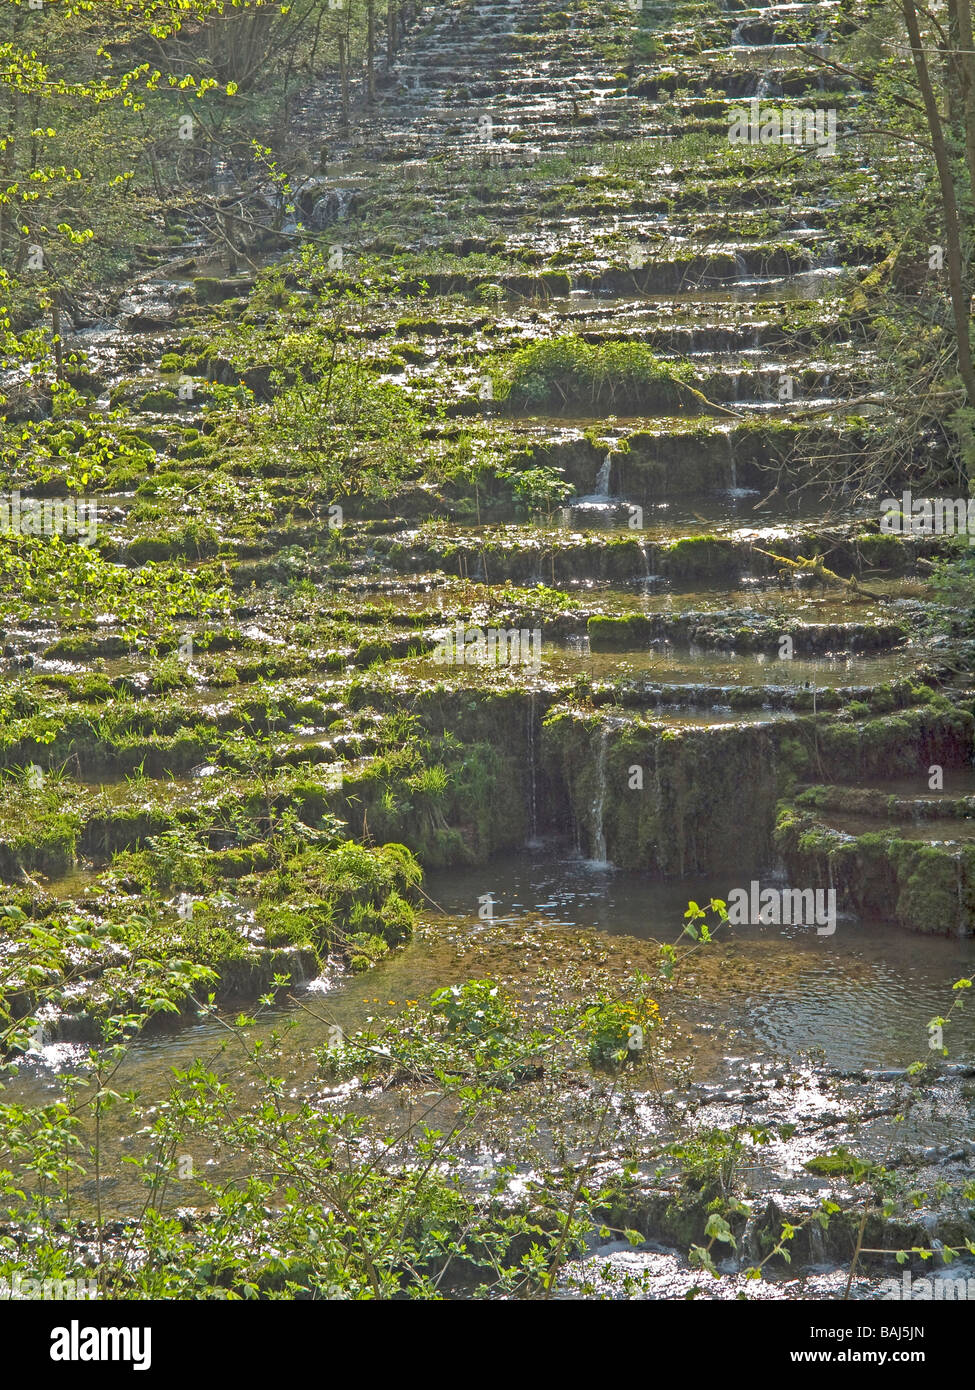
(786, 1012)
(860, 999)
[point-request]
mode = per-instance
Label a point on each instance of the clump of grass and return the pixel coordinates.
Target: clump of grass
(567, 373)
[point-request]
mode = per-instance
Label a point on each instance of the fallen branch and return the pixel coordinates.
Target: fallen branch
(817, 568)
(712, 405)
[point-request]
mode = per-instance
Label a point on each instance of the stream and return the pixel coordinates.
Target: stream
(659, 581)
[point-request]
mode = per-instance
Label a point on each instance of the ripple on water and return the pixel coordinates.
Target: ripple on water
(860, 998)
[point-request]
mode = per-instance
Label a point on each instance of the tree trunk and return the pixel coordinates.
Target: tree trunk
(954, 101)
(956, 280)
(967, 67)
(370, 50)
(10, 136)
(7, 217)
(344, 80)
(56, 334)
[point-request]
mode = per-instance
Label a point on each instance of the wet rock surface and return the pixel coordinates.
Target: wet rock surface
(738, 643)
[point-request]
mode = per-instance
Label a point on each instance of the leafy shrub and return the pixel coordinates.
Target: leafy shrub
(618, 1029)
(566, 372)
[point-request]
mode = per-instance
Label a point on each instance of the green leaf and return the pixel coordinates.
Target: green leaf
(718, 1229)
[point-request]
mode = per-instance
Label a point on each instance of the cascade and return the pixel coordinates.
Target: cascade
(599, 800)
(532, 775)
(602, 477)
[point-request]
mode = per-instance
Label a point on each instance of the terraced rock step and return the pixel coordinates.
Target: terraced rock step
(634, 393)
(526, 555)
(488, 563)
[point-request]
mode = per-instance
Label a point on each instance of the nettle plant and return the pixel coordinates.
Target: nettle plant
(469, 1033)
(325, 403)
(65, 581)
(307, 1212)
(359, 1200)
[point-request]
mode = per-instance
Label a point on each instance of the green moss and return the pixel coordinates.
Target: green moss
(72, 648)
(286, 925)
(618, 633)
(367, 950)
(372, 651)
(47, 844)
(882, 552)
(700, 557)
(928, 884)
(158, 400)
(925, 888)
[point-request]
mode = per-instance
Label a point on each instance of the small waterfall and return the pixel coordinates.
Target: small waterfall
(732, 464)
(223, 179)
(827, 259)
(602, 477)
(928, 1221)
(960, 879)
(532, 788)
(642, 546)
(601, 507)
(752, 1241)
(599, 800)
(817, 1247)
